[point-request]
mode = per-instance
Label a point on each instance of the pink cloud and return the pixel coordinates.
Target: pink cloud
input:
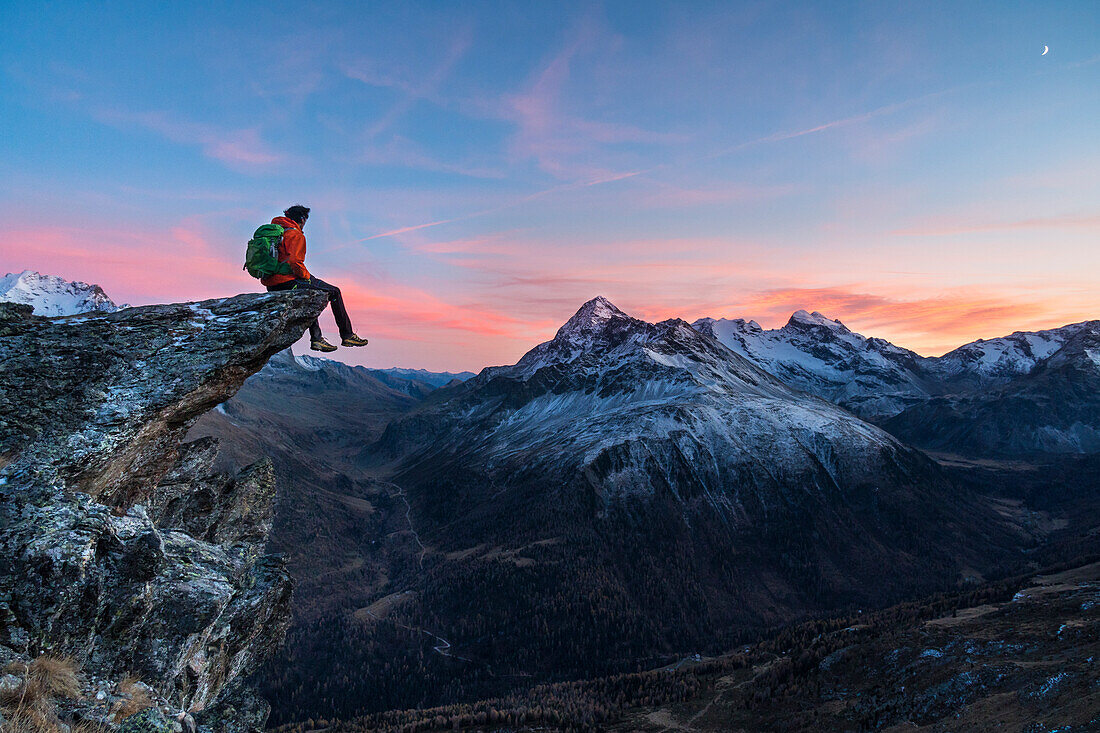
(402, 152)
(1088, 222)
(409, 326)
(927, 324)
(132, 266)
(235, 147)
(563, 144)
(396, 308)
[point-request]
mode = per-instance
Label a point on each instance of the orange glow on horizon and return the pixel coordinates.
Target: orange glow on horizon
(413, 325)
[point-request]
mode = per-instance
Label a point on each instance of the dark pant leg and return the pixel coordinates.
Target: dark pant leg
(336, 302)
(315, 327)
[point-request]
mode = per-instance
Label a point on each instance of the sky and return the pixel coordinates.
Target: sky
(478, 170)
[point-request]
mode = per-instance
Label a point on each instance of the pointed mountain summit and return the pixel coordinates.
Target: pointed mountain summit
(596, 324)
(600, 344)
(593, 315)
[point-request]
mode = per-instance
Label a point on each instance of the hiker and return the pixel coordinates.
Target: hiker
(292, 251)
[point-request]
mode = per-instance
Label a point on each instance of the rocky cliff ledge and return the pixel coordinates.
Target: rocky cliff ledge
(121, 555)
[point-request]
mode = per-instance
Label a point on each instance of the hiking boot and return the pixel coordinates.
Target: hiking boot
(321, 345)
(353, 340)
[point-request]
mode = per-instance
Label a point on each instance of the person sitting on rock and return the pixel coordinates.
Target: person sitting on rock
(293, 252)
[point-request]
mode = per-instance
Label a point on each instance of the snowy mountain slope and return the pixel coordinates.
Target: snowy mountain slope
(640, 485)
(872, 377)
(51, 295)
(608, 383)
(1053, 408)
(869, 376)
(995, 361)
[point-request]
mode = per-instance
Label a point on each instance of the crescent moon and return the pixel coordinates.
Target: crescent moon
(1045, 49)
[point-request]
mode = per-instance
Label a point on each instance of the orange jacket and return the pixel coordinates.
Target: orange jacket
(292, 251)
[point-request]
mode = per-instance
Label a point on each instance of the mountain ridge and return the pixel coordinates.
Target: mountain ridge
(875, 378)
(51, 295)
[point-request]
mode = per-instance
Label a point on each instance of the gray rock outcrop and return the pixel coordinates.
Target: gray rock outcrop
(118, 546)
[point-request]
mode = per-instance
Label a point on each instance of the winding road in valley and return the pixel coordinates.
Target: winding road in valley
(442, 647)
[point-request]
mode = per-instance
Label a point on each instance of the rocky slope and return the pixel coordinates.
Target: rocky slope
(299, 407)
(51, 295)
(1025, 662)
(312, 417)
(119, 547)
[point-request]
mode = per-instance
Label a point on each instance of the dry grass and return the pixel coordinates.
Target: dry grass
(86, 727)
(31, 707)
(136, 698)
(36, 723)
(16, 667)
(57, 677)
(30, 720)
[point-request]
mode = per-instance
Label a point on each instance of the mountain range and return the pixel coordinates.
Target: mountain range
(625, 492)
(629, 492)
(1025, 393)
(1052, 408)
(644, 477)
(874, 378)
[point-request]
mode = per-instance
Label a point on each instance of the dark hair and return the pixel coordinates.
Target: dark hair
(298, 213)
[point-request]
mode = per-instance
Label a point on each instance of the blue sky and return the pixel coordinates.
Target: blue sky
(478, 170)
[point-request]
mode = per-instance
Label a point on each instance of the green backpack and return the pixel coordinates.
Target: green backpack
(261, 259)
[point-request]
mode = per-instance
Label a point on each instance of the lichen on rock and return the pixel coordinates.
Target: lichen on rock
(119, 547)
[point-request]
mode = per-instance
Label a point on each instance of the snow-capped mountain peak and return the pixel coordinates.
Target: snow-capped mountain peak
(812, 352)
(593, 315)
(51, 295)
(803, 318)
(596, 325)
(637, 395)
(990, 361)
